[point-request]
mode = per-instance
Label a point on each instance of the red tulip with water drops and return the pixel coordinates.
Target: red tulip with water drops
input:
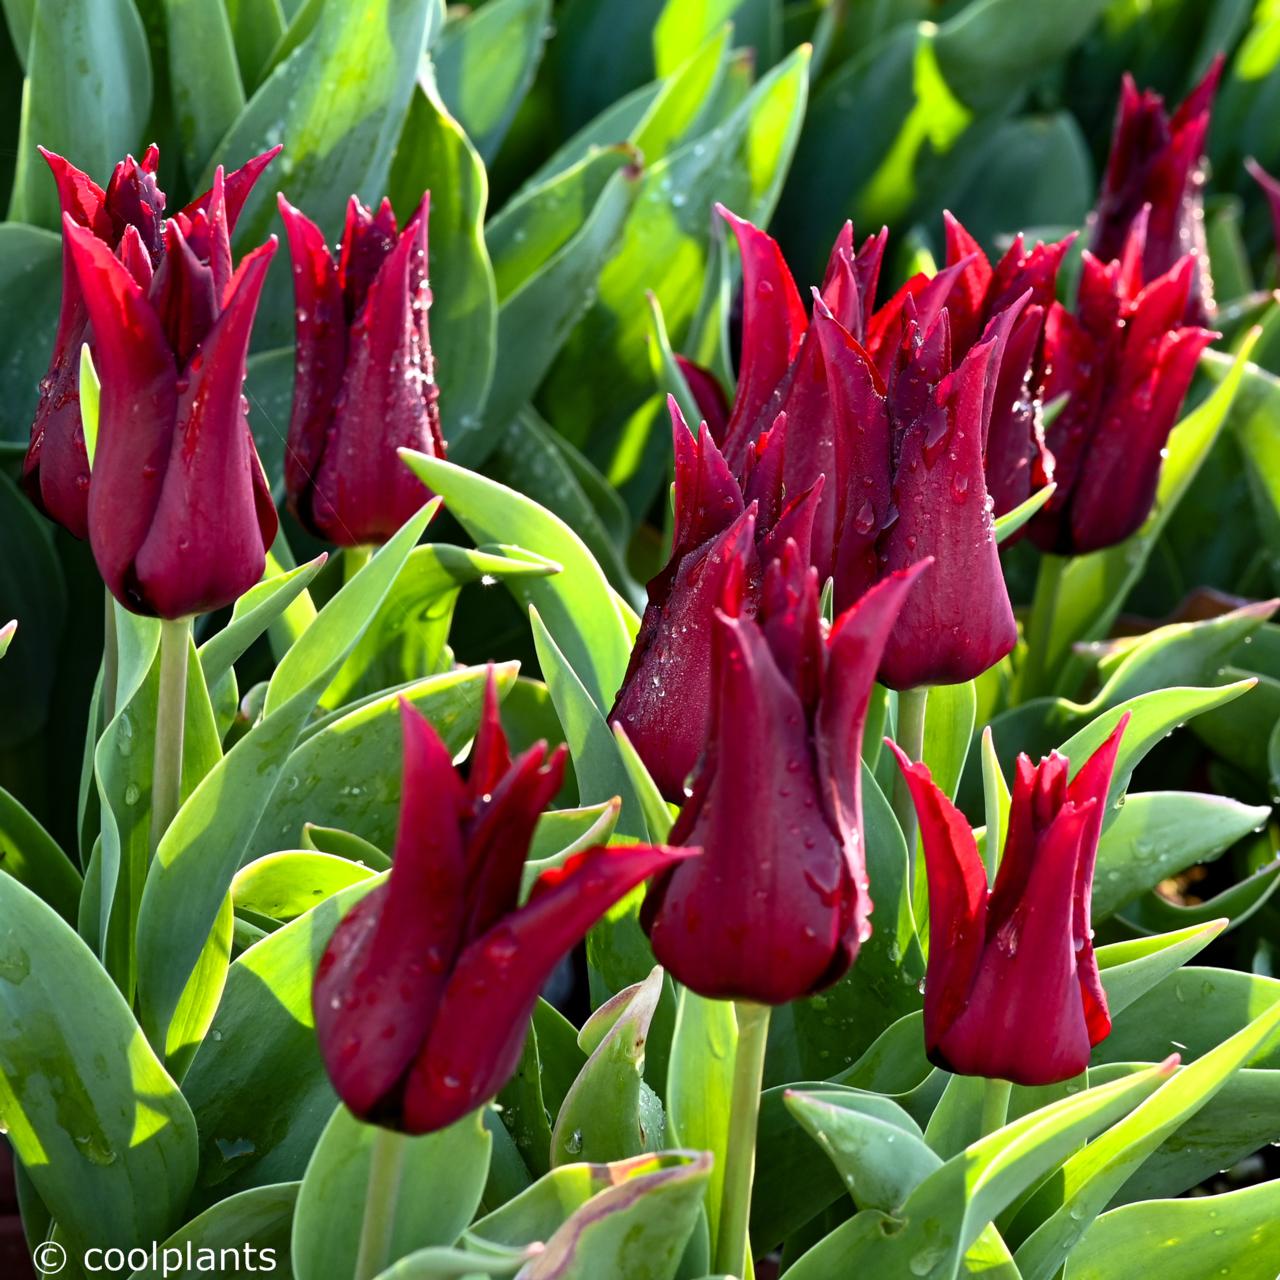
(423, 995)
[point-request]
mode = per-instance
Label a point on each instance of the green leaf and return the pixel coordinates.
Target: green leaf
(256, 27)
(440, 1186)
(453, 1264)
(102, 1131)
(1130, 969)
(435, 154)
(948, 730)
(561, 833)
(256, 1222)
(31, 856)
(485, 63)
(204, 77)
(1009, 523)
(82, 54)
(577, 605)
(347, 775)
(29, 269)
(286, 885)
(201, 851)
(1235, 904)
(1237, 1235)
(342, 844)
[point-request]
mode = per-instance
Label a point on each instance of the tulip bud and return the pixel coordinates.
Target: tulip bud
(180, 514)
(423, 995)
(776, 907)
(55, 471)
(1012, 990)
(364, 384)
(1159, 162)
(1126, 361)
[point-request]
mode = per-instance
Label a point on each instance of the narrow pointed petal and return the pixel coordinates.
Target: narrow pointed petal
(237, 186)
(490, 754)
(184, 294)
(1015, 447)
(479, 1032)
(708, 395)
(707, 498)
(368, 240)
(967, 299)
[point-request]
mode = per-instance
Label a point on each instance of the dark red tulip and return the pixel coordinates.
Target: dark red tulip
(1126, 361)
(56, 470)
(1012, 989)
(664, 703)
(364, 383)
(1158, 162)
(180, 515)
(777, 905)
(423, 996)
(1271, 189)
(708, 395)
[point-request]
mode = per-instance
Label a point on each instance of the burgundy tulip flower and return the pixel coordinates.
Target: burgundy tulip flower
(180, 514)
(55, 472)
(1159, 162)
(364, 384)
(777, 905)
(1271, 189)
(423, 996)
(1126, 361)
(1012, 989)
(664, 702)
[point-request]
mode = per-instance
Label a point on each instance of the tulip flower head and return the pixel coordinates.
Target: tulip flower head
(55, 472)
(777, 905)
(1158, 161)
(364, 382)
(180, 513)
(423, 995)
(1012, 990)
(720, 521)
(1125, 360)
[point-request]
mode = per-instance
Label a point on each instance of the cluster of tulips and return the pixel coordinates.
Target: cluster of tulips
(834, 528)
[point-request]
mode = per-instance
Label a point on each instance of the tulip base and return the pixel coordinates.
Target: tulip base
(386, 1166)
(732, 1246)
(171, 711)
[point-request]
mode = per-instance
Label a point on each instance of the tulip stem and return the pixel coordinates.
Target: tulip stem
(386, 1164)
(110, 659)
(732, 1246)
(995, 1105)
(912, 704)
(1040, 626)
(171, 709)
(354, 559)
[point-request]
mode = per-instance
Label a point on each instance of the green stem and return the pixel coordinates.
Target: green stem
(171, 710)
(910, 738)
(732, 1247)
(110, 659)
(1040, 627)
(354, 559)
(386, 1164)
(995, 1105)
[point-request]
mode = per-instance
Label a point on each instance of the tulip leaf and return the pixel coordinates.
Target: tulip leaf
(485, 62)
(268, 386)
(1253, 424)
(205, 844)
(441, 1183)
(80, 55)
(257, 1085)
(576, 604)
(1130, 969)
(453, 1264)
(255, 1222)
(1237, 1234)
(434, 154)
(1053, 1220)
(948, 731)
(659, 816)
(561, 833)
(342, 844)
(31, 856)
(256, 28)
(100, 1128)
(1009, 523)
(286, 885)
(347, 775)
(1153, 912)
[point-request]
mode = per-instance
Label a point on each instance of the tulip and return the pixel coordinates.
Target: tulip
(1012, 989)
(777, 906)
(55, 472)
(1158, 162)
(663, 703)
(1126, 361)
(423, 995)
(364, 384)
(180, 514)
(1271, 189)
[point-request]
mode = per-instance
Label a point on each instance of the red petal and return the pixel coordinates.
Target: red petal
(490, 754)
(708, 395)
(236, 187)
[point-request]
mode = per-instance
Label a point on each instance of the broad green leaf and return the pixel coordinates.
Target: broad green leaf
(256, 1223)
(256, 28)
(948, 730)
(348, 774)
(257, 1085)
(485, 63)
(440, 1186)
(342, 844)
(524, 1112)
(31, 856)
(659, 815)
(1130, 969)
(81, 55)
(204, 846)
(1153, 912)
(453, 1264)
(100, 1128)
(204, 77)
(286, 885)
(435, 154)
(576, 604)
(1235, 1235)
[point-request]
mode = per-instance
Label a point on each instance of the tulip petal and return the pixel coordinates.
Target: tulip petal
(236, 187)
(480, 1029)
(184, 294)
(368, 240)
(490, 754)
(707, 394)
(707, 497)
